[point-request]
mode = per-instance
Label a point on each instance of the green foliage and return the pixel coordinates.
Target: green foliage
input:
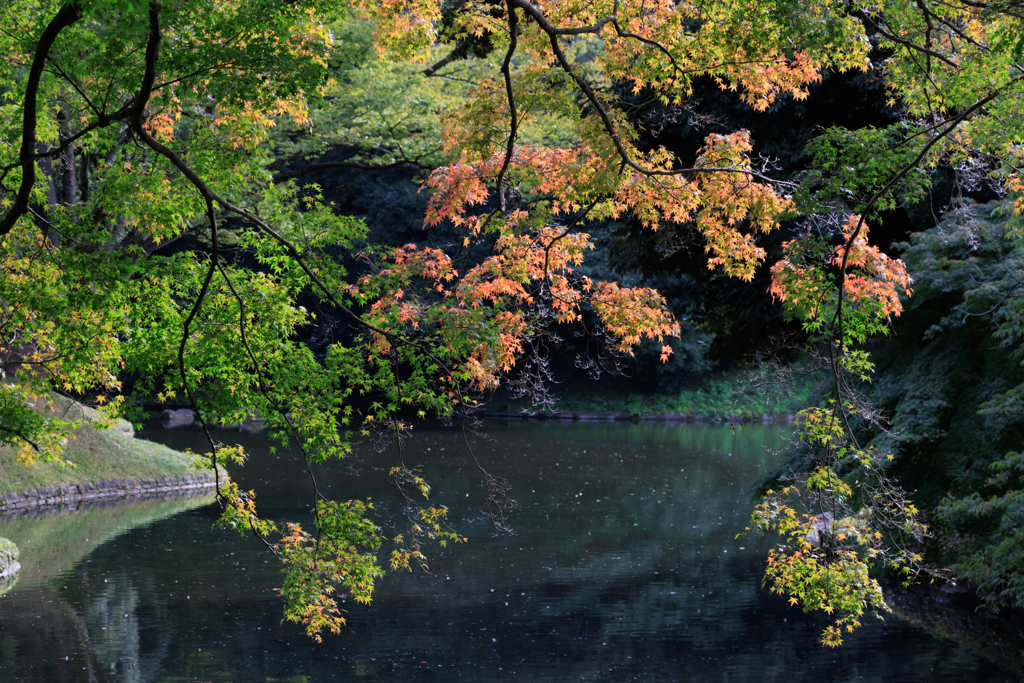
(834, 535)
(992, 567)
(21, 423)
(815, 576)
(340, 554)
(950, 384)
(849, 166)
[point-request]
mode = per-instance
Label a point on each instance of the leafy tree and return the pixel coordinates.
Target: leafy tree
(127, 125)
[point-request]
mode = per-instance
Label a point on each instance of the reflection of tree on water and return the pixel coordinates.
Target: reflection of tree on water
(130, 638)
(42, 638)
(9, 565)
(117, 635)
(113, 634)
(54, 538)
(997, 640)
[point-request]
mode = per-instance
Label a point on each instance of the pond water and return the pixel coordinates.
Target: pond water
(624, 566)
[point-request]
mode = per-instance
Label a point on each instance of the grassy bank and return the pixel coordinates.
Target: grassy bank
(94, 454)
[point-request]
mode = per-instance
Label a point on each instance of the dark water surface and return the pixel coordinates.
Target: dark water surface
(624, 566)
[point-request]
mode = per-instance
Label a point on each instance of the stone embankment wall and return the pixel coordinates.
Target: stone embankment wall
(62, 494)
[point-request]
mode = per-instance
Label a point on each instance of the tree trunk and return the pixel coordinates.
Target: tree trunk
(85, 177)
(67, 162)
(41, 213)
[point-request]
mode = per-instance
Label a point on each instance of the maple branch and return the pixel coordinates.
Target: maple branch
(602, 111)
(102, 121)
(613, 19)
(145, 92)
(863, 14)
(835, 348)
(835, 353)
(506, 70)
(77, 87)
(66, 16)
(260, 382)
(142, 99)
(568, 228)
(927, 73)
(550, 29)
(952, 27)
(653, 43)
(553, 34)
(193, 74)
(452, 56)
(1000, 7)
(956, 121)
(929, 28)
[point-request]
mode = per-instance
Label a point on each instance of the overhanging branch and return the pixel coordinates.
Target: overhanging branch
(67, 16)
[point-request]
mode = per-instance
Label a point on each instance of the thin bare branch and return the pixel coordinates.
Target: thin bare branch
(866, 16)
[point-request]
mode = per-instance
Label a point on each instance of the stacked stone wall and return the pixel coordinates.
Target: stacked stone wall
(63, 494)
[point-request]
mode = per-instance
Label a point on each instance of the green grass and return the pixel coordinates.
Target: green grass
(50, 544)
(95, 454)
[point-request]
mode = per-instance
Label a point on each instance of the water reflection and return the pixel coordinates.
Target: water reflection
(54, 538)
(48, 636)
(624, 566)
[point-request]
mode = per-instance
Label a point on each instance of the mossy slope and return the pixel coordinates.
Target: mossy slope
(94, 454)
